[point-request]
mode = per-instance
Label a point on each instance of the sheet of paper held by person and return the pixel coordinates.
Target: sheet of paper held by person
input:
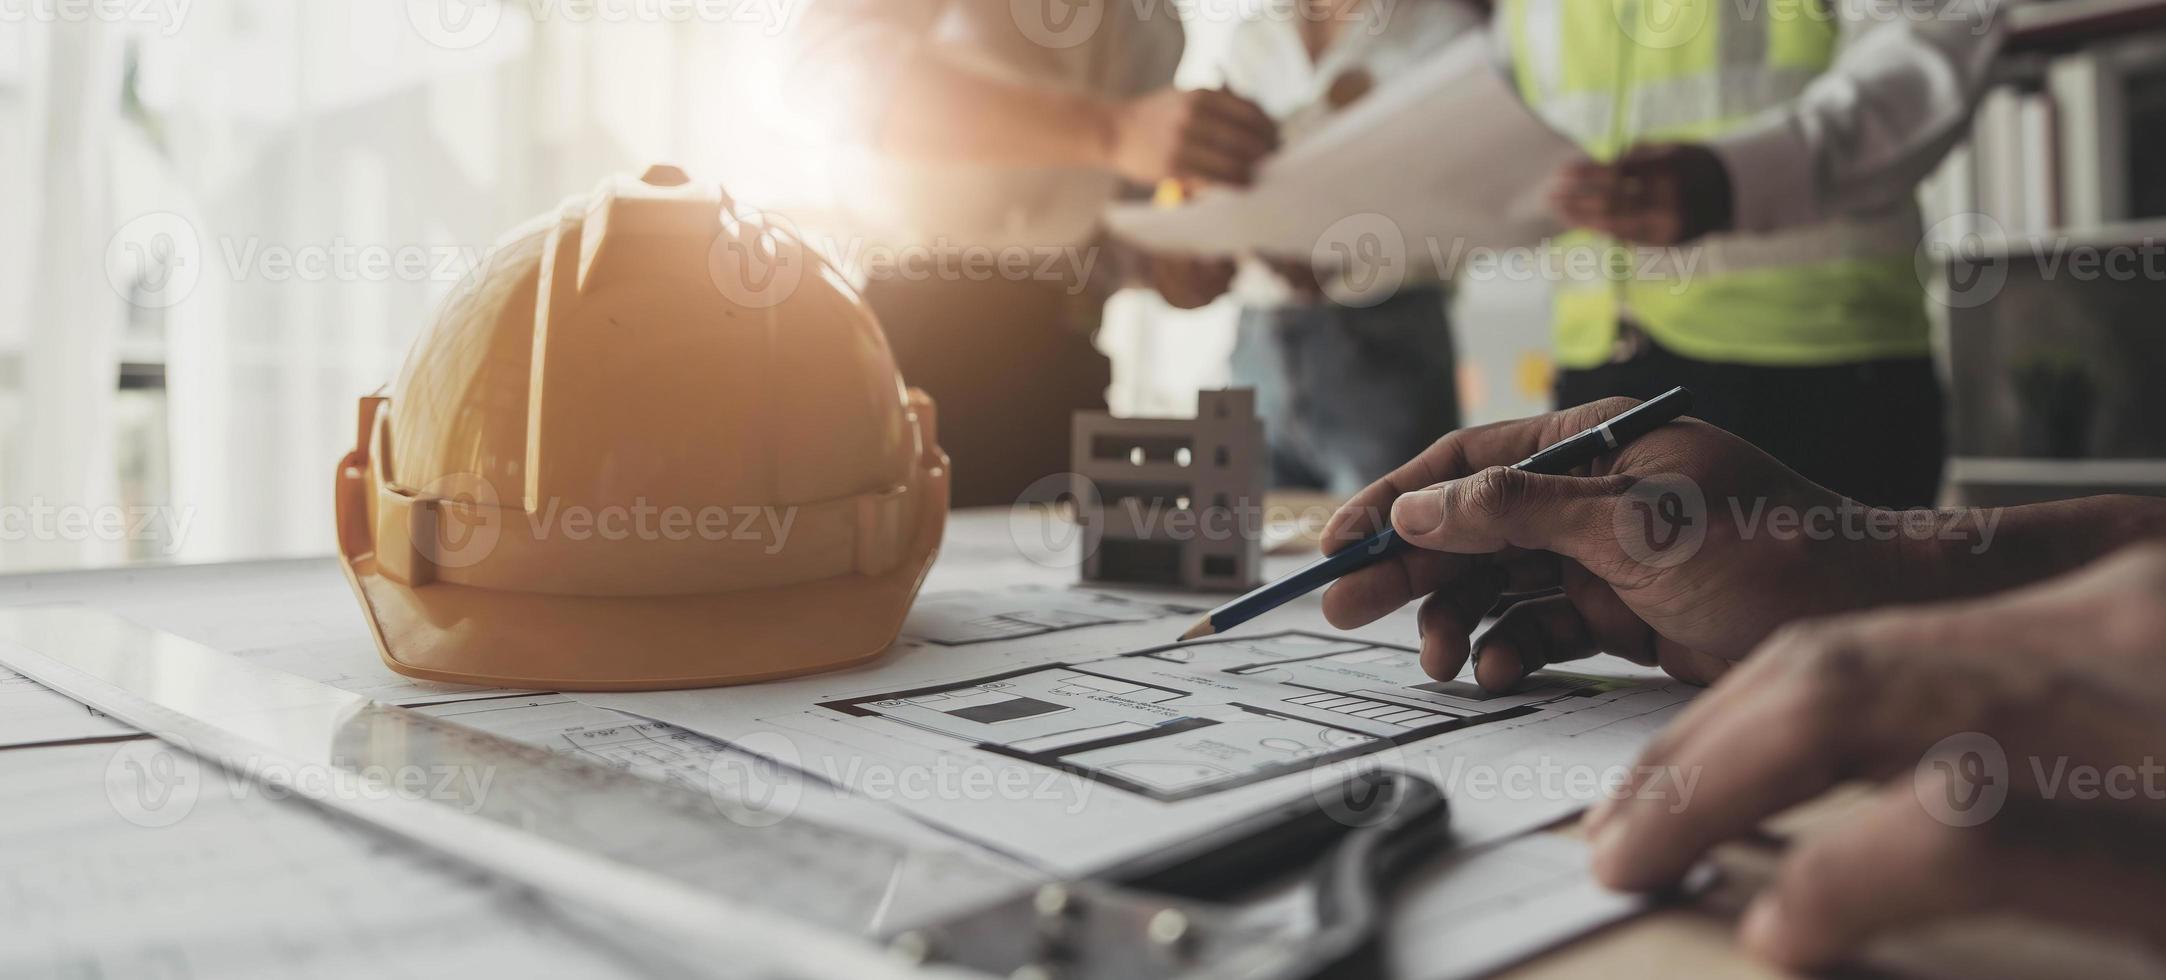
(1443, 160)
(1080, 747)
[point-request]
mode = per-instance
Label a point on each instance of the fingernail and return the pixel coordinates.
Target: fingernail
(1419, 512)
(1759, 931)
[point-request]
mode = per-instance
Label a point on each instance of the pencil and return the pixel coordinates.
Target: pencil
(1563, 457)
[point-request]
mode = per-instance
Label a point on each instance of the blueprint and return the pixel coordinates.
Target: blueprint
(241, 885)
(1080, 748)
(1183, 721)
(959, 618)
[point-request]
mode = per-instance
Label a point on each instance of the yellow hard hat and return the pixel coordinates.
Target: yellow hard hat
(653, 442)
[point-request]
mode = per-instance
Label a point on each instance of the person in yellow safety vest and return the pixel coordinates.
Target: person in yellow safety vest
(1746, 222)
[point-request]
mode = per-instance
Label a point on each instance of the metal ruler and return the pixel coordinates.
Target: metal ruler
(790, 898)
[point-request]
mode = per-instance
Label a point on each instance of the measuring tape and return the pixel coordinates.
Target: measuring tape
(789, 898)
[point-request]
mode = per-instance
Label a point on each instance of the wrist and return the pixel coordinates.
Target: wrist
(1099, 132)
(1977, 551)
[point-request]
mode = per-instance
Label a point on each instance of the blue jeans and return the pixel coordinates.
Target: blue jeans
(1348, 394)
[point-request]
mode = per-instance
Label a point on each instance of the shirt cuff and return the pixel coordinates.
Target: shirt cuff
(1772, 183)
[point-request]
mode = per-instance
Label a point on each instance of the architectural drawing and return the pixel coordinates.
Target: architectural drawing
(961, 618)
(1176, 722)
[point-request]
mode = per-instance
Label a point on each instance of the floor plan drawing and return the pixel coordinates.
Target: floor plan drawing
(1176, 722)
(961, 618)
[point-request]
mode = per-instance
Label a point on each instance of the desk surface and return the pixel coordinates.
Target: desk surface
(1690, 939)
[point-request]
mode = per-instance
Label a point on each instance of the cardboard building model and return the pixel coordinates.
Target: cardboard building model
(1175, 502)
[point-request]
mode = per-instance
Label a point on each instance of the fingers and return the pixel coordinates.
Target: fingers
(1636, 199)
(1893, 867)
(1885, 868)
(1366, 595)
(1448, 618)
(1527, 637)
(1767, 749)
(1502, 507)
(1238, 113)
(1226, 137)
(1457, 455)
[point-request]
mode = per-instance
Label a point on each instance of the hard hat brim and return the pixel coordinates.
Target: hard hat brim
(464, 634)
(467, 635)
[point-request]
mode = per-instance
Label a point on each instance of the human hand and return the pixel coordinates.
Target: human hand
(2015, 739)
(1210, 136)
(1663, 549)
(1658, 194)
(1189, 282)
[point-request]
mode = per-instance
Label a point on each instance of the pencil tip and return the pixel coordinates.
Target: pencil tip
(1203, 627)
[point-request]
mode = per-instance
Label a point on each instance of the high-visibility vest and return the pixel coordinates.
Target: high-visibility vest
(1614, 73)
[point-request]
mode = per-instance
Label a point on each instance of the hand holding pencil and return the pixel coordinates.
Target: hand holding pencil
(1645, 542)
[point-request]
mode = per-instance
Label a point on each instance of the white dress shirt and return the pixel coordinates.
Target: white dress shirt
(1264, 59)
(1865, 132)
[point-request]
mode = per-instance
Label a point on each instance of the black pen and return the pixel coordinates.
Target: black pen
(1560, 458)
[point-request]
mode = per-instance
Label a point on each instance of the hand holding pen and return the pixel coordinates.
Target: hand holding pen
(1651, 545)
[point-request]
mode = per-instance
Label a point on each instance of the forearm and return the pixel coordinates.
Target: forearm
(1982, 551)
(1878, 120)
